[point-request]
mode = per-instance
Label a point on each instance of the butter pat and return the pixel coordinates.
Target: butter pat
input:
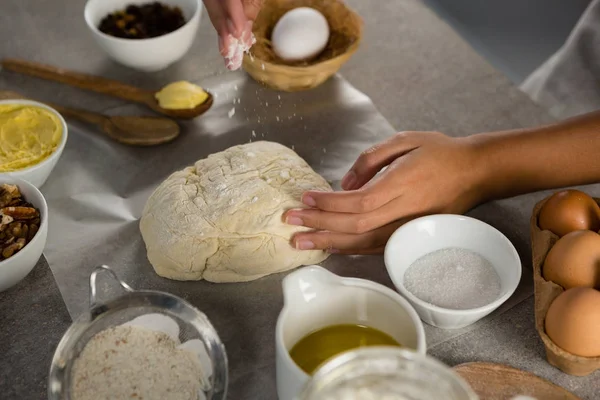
(181, 95)
(28, 135)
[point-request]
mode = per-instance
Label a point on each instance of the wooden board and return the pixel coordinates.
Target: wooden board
(501, 382)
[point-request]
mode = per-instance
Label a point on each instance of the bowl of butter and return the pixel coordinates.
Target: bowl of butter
(32, 139)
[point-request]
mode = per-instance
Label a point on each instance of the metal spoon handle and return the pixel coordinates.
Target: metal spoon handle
(76, 79)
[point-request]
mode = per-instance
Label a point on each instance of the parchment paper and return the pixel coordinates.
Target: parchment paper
(98, 190)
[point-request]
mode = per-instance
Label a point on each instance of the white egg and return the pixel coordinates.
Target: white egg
(300, 34)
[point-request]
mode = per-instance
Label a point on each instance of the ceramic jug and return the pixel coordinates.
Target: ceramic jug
(315, 298)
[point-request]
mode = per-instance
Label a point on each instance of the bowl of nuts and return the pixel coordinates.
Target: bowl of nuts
(23, 229)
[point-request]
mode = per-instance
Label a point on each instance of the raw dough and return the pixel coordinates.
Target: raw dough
(221, 220)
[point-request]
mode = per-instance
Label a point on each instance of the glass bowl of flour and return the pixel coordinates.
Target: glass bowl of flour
(385, 373)
(141, 345)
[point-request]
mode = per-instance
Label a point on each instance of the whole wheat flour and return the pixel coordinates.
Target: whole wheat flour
(131, 362)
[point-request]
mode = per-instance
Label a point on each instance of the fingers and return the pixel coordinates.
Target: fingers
(252, 7)
(217, 16)
(336, 242)
(357, 201)
(354, 223)
(237, 16)
(372, 160)
(376, 194)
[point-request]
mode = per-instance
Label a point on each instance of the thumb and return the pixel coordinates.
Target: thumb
(372, 160)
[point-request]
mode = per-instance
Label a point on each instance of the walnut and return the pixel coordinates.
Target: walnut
(8, 194)
(12, 248)
(19, 221)
(20, 212)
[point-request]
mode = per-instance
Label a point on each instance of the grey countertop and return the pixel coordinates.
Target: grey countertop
(419, 74)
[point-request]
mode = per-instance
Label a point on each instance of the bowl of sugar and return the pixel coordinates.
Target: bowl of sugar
(453, 269)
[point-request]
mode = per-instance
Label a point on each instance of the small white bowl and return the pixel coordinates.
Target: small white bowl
(17, 267)
(151, 54)
(38, 174)
(435, 232)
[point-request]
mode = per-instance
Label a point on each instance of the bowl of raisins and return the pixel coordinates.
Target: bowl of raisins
(143, 34)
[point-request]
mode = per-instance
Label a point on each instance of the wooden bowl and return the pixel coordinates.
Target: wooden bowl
(264, 66)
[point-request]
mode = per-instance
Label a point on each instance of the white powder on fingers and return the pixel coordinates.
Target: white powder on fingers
(236, 50)
(453, 278)
(132, 362)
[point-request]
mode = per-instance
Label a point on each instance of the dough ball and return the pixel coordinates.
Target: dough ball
(221, 220)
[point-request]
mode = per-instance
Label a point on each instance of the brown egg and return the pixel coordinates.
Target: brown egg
(568, 211)
(574, 260)
(573, 321)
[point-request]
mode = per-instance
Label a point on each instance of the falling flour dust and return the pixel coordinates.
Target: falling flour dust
(453, 278)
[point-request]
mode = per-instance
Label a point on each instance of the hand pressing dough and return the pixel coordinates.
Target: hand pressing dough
(221, 220)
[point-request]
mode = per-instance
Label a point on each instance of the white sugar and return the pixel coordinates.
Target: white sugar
(453, 278)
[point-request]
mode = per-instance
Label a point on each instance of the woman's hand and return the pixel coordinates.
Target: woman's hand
(427, 172)
(233, 20)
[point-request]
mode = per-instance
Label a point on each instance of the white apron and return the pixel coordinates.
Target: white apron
(568, 83)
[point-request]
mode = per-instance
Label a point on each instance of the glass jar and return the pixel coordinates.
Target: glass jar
(385, 373)
(192, 327)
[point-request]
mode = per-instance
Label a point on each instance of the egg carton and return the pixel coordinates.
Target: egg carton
(544, 293)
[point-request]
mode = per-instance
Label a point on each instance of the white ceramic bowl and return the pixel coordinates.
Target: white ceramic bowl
(435, 232)
(17, 267)
(151, 54)
(38, 173)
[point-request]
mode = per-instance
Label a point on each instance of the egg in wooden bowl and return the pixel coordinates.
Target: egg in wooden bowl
(295, 50)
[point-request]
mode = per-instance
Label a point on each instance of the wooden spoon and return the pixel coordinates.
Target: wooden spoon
(104, 86)
(136, 131)
(501, 382)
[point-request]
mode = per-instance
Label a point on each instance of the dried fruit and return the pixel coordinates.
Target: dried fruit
(142, 21)
(19, 221)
